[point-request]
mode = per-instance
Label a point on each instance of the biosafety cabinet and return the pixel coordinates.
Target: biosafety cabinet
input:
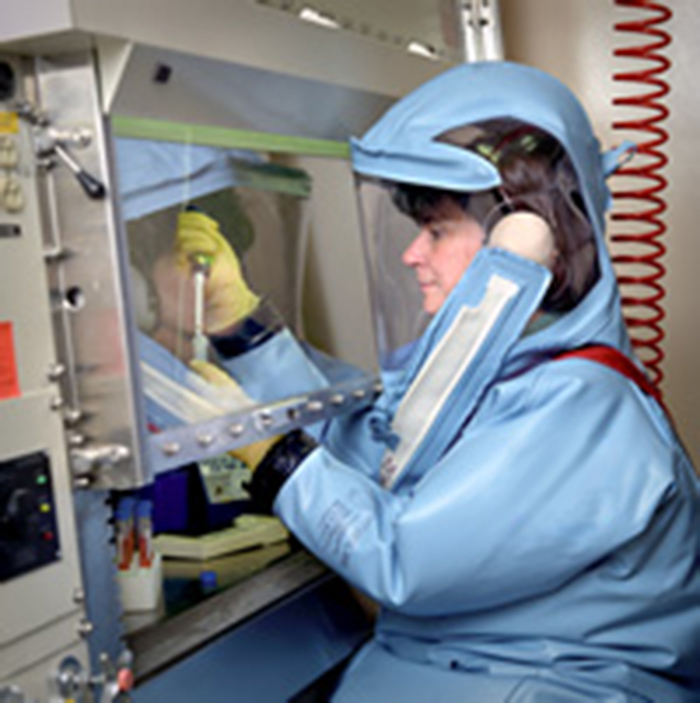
(115, 118)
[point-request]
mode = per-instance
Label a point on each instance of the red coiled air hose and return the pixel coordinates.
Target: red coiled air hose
(638, 203)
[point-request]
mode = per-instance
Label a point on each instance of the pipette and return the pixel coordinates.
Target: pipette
(200, 270)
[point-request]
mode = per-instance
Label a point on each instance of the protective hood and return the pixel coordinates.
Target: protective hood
(403, 146)
(483, 331)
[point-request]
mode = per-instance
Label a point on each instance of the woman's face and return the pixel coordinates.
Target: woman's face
(442, 252)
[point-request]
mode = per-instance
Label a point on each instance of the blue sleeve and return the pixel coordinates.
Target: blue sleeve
(277, 368)
(555, 472)
(282, 367)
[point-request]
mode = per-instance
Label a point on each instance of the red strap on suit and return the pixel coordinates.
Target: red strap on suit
(615, 359)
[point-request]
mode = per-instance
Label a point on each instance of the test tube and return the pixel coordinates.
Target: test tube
(144, 531)
(124, 531)
(200, 271)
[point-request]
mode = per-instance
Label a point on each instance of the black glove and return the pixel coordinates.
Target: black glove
(280, 462)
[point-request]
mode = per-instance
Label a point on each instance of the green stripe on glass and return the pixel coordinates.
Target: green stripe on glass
(179, 132)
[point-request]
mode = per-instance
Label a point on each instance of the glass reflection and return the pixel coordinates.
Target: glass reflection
(216, 242)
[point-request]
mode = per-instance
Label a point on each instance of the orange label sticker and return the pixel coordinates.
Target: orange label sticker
(9, 383)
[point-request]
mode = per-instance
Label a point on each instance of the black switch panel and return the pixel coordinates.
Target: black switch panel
(28, 529)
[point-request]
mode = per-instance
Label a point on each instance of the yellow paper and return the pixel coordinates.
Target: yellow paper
(9, 122)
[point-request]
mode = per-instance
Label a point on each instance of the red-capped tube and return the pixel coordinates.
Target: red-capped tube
(639, 206)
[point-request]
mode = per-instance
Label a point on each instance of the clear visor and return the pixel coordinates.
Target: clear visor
(390, 224)
(536, 178)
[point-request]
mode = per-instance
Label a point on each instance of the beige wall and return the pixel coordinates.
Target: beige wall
(336, 297)
(574, 40)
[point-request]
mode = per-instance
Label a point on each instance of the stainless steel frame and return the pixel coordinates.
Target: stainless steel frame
(86, 261)
(183, 445)
(86, 257)
(99, 374)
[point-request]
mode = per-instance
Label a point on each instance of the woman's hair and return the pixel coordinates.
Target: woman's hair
(537, 176)
(423, 204)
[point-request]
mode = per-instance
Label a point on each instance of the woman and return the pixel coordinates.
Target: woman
(527, 521)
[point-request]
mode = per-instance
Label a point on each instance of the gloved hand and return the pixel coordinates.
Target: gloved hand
(525, 234)
(252, 454)
(279, 463)
(228, 297)
(277, 457)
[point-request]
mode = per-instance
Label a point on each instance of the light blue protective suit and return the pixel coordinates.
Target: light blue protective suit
(542, 544)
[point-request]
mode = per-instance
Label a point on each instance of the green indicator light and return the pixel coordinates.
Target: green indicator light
(41, 480)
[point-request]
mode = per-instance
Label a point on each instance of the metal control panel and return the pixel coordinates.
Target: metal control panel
(28, 529)
(42, 614)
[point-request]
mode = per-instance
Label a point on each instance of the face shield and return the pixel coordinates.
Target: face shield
(408, 273)
(507, 167)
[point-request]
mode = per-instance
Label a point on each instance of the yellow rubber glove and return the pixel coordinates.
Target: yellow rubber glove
(252, 454)
(228, 297)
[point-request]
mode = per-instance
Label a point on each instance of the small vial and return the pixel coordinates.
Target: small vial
(144, 531)
(125, 532)
(208, 582)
